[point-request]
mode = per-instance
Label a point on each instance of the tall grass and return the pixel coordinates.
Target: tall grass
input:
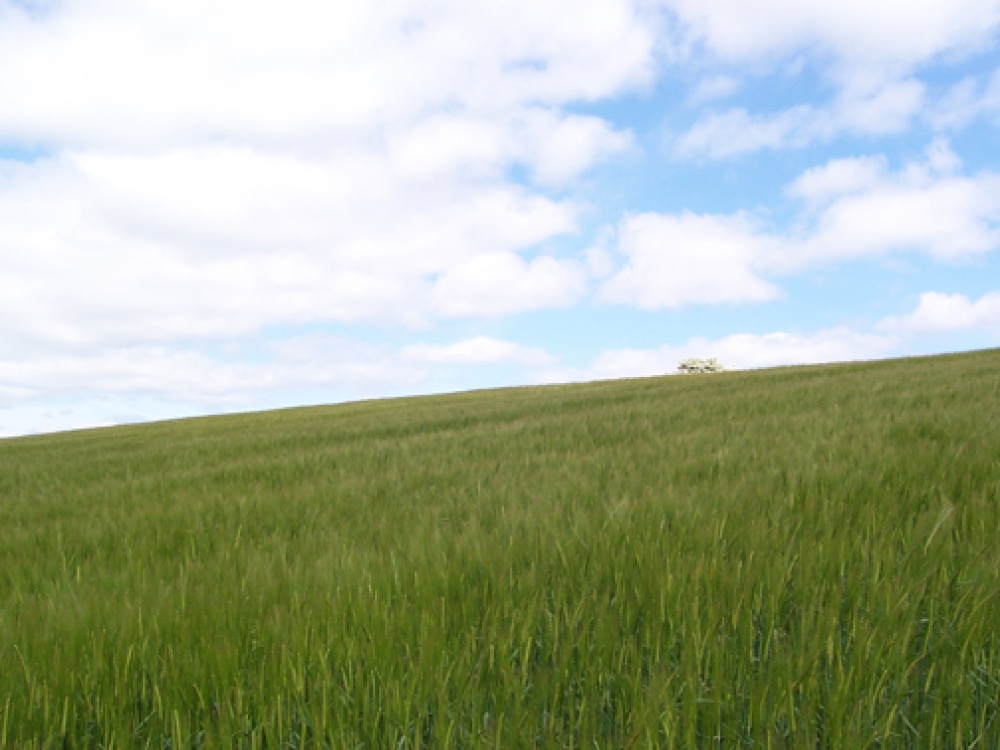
(795, 558)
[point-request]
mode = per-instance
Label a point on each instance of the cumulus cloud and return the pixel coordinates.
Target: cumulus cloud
(203, 172)
(838, 178)
(672, 261)
(853, 208)
(860, 209)
(481, 350)
(211, 168)
(561, 148)
(939, 312)
(850, 208)
(97, 247)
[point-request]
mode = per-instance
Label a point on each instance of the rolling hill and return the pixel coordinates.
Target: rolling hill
(793, 558)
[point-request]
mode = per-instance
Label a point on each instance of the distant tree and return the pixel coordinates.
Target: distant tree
(700, 365)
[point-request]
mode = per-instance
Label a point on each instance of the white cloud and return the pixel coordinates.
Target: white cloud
(556, 147)
(446, 143)
(947, 217)
(744, 351)
(887, 108)
(105, 248)
(858, 208)
(890, 108)
(209, 171)
(218, 167)
(481, 350)
(504, 283)
(115, 384)
(941, 159)
(197, 377)
(559, 149)
(853, 208)
(869, 54)
(688, 259)
(862, 38)
(939, 312)
(958, 106)
(839, 177)
(141, 382)
(736, 131)
(138, 72)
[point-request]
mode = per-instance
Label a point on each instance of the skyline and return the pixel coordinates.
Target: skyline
(215, 207)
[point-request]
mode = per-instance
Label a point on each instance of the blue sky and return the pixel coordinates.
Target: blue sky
(223, 206)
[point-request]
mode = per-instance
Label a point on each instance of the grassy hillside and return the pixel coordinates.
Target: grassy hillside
(794, 558)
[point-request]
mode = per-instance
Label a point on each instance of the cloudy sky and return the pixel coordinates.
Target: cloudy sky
(217, 205)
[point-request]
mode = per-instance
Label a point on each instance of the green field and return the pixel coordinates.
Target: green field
(793, 558)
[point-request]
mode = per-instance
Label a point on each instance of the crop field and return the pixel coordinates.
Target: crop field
(792, 558)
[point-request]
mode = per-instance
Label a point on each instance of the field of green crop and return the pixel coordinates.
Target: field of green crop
(792, 558)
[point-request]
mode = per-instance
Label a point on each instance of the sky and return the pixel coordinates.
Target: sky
(212, 206)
